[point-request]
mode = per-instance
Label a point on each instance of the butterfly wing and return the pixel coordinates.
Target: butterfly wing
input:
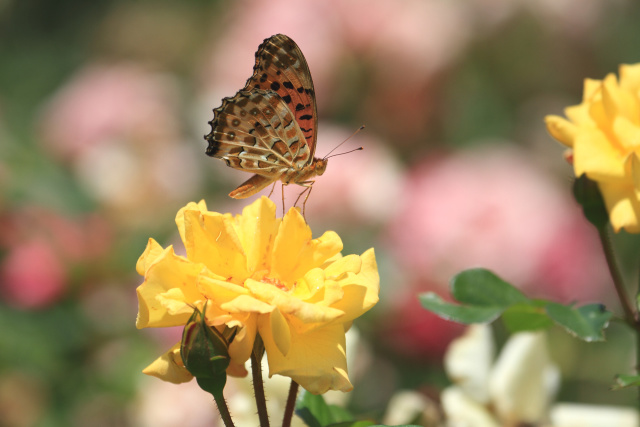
(255, 131)
(281, 67)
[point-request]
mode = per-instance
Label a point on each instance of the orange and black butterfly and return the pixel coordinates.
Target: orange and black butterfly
(269, 128)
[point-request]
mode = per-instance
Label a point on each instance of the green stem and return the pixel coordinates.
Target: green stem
(630, 315)
(618, 283)
(258, 385)
(224, 410)
(291, 404)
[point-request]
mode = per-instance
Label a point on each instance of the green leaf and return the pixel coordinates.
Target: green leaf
(527, 317)
(363, 423)
(587, 194)
(480, 287)
(315, 412)
(624, 381)
(587, 322)
(458, 313)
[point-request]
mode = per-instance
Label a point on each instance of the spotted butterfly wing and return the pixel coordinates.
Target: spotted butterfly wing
(281, 67)
(269, 127)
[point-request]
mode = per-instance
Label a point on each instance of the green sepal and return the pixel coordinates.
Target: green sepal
(205, 353)
(587, 194)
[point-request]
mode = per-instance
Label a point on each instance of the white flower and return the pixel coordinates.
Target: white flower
(518, 387)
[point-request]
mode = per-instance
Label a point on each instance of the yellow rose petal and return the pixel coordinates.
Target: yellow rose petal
(280, 331)
(212, 241)
(175, 302)
(634, 166)
(591, 90)
(627, 133)
(151, 253)
(219, 291)
(201, 206)
(295, 252)
(247, 304)
(580, 116)
(316, 360)
(169, 367)
(257, 228)
(168, 272)
(622, 204)
(360, 290)
(290, 305)
(618, 102)
(562, 130)
(594, 155)
(242, 346)
(630, 78)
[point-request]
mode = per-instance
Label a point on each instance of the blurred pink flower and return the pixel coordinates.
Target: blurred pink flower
(250, 22)
(412, 39)
(41, 248)
(492, 208)
(364, 185)
(413, 331)
(399, 47)
(33, 275)
(104, 102)
(119, 127)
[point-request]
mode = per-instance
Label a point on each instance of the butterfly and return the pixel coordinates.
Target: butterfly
(269, 127)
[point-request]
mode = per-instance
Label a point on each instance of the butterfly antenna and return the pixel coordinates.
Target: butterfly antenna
(346, 152)
(337, 146)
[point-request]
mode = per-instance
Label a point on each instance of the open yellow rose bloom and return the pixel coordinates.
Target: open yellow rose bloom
(604, 133)
(263, 275)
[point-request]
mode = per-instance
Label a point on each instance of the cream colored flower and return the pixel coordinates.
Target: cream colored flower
(263, 275)
(517, 388)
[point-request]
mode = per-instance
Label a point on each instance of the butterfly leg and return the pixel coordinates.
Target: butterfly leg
(283, 184)
(272, 188)
(309, 185)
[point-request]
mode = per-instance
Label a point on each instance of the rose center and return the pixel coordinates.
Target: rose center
(275, 282)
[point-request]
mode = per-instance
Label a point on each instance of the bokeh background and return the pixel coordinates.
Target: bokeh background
(103, 108)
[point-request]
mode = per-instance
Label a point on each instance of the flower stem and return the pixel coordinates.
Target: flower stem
(224, 410)
(618, 283)
(630, 314)
(291, 404)
(258, 385)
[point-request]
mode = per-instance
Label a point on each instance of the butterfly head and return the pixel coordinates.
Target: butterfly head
(320, 165)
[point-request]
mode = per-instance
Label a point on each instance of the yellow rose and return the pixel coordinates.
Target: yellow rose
(604, 135)
(263, 275)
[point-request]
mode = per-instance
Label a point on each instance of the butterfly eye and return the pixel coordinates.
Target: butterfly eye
(231, 136)
(235, 122)
(267, 111)
(254, 112)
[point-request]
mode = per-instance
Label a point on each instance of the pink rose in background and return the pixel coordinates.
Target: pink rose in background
(249, 23)
(41, 248)
(33, 275)
(360, 187)
(119, 127)
(103, 102)
(412, 331)
(492, 208)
